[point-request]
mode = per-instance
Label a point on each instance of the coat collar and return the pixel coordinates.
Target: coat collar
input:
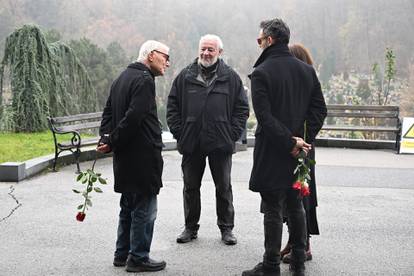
(142, 67)
(275, 50)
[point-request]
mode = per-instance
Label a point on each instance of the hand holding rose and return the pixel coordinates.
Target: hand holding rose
(301, 145)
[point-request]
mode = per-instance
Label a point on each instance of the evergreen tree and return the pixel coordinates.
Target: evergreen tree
(97, 64)
(31, 74)
(46, 80)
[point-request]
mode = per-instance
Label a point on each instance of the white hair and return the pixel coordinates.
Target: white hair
(212, 37)
(147, 47)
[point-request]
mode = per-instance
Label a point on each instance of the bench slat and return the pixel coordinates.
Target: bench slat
(362, 115)
(360, 128)
(82, 126)
(363, 107)
(78, 117)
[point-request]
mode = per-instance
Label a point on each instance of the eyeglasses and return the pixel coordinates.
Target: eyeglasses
(167, 57)
(260, 39)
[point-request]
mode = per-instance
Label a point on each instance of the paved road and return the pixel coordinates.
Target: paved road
(365, 215)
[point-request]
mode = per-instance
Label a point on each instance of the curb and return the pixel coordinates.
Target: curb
(17, 171)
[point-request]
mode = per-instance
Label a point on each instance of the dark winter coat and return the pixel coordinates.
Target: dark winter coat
(285, 93)
(130, 118)
(210, 117)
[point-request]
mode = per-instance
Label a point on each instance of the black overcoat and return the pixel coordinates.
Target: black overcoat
(130, 119)
(212, 117)
(285, 93)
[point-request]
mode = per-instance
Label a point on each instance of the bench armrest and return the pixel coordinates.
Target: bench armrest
(75, 140)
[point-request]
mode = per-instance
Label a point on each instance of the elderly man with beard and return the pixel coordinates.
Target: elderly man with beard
(207, 112)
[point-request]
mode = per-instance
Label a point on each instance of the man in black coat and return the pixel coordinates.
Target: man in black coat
(130, 128)
(206, 113)
(286, 93)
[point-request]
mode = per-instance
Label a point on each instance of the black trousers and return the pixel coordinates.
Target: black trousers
(272, 208)
(193, 166)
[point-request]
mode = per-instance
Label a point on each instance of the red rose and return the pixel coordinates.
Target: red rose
(90, 179)
(302, 171)
(305, 191)
(297, 185)
(80, 216)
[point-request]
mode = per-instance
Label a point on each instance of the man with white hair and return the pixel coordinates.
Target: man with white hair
(130, 128)
(207, 112)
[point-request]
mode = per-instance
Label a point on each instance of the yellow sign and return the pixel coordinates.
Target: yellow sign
(410, 133)
(407, 144)
(407, 138)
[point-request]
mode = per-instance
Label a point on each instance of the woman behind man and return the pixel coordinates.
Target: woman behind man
(309, 202)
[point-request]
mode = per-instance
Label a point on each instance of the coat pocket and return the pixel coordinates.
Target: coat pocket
(224, 137)
(187, 128)
(194, 102)
(189, 135)
(218, 103)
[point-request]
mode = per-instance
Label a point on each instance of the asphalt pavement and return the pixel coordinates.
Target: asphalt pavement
(365, 217)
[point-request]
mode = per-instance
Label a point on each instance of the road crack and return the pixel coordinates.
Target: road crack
(18, 204)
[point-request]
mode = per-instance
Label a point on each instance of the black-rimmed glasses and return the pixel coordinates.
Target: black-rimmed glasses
(167, 57)
(260, 39)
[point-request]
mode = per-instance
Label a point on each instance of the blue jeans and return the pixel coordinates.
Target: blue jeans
(136, 225)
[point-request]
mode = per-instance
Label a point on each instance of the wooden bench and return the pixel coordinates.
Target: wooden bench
(75, 125)
(372, 123)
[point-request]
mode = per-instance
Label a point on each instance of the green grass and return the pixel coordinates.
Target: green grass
(15, 147)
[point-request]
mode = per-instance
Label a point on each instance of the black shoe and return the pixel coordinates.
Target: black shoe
(187, 235)
(228, 238)
(141, 266)
(298, 270)
(120, 261)
(260, 270)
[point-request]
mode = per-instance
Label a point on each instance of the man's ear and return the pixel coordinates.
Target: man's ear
(270, 40)
(221, 52)
(151, 56)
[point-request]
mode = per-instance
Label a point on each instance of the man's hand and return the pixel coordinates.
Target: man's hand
(104, 148)
(301, 145)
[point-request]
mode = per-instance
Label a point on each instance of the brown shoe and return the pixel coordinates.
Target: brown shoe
(288, 257)
(285, 251)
